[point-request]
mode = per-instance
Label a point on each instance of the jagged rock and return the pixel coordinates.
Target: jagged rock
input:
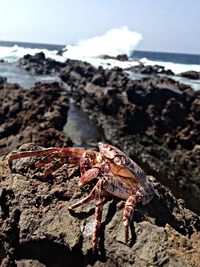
(39, 64)
(150, 69)
(37, 227)
(35, 115)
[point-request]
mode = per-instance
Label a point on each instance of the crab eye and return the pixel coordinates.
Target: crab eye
(123, 160)
(117, 160)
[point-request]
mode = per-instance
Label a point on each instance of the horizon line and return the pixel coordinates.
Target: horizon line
(64, 45)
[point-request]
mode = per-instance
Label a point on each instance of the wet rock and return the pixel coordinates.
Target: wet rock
(61, 51)
(150, 69)
(35, 115)
(122, 57)
(36, 226)
(2, 80)
(194, 75)
(39, 64)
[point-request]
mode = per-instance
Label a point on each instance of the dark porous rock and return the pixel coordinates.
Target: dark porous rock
(39, 64)
(76, 71)
(122, 57)
(2, 80)
(150, 69)
(196, 108)
(194, 75)
(35, 115)
(135, 119)
(154, 91)
(98, 79)
(153, 119)
(37, 227)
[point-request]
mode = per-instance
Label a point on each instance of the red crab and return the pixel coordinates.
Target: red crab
(117, 174)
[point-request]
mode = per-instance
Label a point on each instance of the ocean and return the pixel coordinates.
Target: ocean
(10, 52)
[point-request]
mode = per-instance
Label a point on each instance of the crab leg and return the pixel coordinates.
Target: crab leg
(97, 194)
(40, 163)
(128, 214)
(69, 155)
(51, 163)
(123, 191)
(98, 213)
(83, 201)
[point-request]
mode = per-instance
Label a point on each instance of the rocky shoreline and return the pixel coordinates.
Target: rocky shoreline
(155, 120)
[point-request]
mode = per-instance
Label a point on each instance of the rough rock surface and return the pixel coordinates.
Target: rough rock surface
(36, 228)
(39, 64)
(34, 115)
(150, 69)
(155, 119)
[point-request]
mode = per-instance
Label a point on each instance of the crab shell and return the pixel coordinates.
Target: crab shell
(121, 164)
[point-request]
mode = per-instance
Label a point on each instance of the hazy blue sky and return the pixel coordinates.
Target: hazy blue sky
(170, 25)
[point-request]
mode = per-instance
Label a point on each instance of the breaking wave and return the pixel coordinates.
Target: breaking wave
(114, 42)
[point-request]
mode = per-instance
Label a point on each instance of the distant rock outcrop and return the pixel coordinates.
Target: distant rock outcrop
(39, 64)
(150, 69)
(193, 75)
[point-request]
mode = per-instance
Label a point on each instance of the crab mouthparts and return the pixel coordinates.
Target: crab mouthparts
(88, 176)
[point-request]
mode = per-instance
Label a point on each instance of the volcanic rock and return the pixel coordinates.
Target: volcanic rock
(35, 115)
(2, 80)
(122, 57)
(194, 75)
(36, 226)
(39, 64)
(150, 69)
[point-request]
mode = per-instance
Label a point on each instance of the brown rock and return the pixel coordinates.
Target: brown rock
(37, 227)
(35, 115)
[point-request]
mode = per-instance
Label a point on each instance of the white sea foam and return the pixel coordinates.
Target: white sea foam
(15, 52)
(175, 67)
(114, 42)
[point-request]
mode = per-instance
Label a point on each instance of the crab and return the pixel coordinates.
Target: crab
(117, 174)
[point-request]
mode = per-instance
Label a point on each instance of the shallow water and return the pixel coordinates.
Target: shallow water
(195, 84)
(80, 128)
(15, 74)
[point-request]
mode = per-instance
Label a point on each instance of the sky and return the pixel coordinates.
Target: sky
(166, 26)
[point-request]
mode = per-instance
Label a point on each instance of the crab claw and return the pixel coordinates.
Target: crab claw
(88, 176)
